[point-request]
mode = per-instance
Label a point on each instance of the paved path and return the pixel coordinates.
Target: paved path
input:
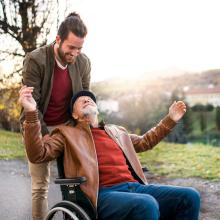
(15, 190)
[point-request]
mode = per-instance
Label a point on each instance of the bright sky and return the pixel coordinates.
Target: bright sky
(131, 37)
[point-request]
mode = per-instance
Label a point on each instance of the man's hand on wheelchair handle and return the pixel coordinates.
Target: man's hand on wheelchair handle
(26, 99)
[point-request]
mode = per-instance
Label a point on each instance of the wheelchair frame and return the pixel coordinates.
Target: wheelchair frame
(75, 204)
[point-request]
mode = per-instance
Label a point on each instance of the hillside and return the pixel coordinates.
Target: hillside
(116, 87)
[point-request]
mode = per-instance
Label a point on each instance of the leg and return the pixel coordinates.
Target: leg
(118, 202)
(179, 203)
(40, 183)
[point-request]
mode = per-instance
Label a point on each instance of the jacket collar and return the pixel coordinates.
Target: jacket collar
(83, 124)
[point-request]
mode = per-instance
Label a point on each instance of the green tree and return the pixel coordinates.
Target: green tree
(188, 121)
(142, 111)
(9, 109)
(203, 121)
(217, 117)
(178, 134)
(203, 112)
(24, 25)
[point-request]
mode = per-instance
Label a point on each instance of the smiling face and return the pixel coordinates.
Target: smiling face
(84, 107)
(68, 49)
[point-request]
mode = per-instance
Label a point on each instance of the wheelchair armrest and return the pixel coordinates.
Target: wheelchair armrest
(69, 181)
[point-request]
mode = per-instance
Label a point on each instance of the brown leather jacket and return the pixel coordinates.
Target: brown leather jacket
(77, 144)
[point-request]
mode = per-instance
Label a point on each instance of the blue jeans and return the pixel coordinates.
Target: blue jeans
(135, 201)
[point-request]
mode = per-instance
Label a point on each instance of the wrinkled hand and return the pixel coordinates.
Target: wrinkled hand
(177, 110)
(26, 99)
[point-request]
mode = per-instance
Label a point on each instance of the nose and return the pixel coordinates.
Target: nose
(87, 100)
(75, 52)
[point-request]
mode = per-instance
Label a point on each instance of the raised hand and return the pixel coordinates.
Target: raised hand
(177, 110)
(26, 99)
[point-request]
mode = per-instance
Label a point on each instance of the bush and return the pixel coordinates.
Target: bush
(212, 138)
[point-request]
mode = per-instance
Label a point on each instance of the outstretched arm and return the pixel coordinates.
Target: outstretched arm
(31, 76)
(161, 130)
(38, 149)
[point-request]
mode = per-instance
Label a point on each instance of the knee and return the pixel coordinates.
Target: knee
(39, 187)
(193, 196)
(39, 194)
(146, 206)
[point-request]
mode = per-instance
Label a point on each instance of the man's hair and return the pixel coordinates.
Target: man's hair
(72, 23)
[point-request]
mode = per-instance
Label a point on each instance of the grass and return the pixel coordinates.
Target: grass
(177, 160)
(11, 146)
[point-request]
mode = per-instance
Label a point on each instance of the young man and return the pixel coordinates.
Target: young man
(56, 71)
(106, 156)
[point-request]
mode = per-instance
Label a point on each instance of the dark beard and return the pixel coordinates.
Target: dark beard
(61, 55)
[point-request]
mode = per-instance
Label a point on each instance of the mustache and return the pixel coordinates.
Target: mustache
(90, 111)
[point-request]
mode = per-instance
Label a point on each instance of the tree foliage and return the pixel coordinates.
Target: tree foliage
(179, 132)
(140, 111)
(203, 110)
(24, 26)
(25, 21)
(9, 109)
(188, 121)
(218, 117)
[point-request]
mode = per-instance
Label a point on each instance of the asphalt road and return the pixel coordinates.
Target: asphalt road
(15, 190)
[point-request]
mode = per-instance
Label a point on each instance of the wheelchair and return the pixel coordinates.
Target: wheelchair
(75, 204)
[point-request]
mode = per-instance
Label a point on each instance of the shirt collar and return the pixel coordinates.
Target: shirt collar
(60, 65)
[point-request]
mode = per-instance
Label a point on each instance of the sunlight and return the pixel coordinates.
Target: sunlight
(129, 37)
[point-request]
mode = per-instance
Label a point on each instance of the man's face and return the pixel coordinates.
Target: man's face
(70, 48)
(84, 107)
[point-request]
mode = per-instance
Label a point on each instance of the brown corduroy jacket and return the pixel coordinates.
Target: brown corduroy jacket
(38, 70)
(77, 146)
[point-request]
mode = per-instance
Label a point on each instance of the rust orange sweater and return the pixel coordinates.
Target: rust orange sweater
(113, 168)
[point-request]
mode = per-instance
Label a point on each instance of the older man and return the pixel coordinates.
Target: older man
(106, 156)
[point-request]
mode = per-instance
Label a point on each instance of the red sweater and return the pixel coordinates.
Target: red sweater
(57, 110)
(113, 168)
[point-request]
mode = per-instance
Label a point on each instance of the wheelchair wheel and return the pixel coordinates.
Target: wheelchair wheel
(67, 210)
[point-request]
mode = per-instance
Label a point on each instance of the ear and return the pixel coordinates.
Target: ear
(75, 116)
(58, 39)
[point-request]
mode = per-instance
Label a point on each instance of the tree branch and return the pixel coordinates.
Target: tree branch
(12, 53)
(3, 59)
(9, 29)
(11, 74)
(3, 9)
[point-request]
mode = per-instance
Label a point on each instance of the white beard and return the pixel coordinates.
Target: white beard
(90, 111)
